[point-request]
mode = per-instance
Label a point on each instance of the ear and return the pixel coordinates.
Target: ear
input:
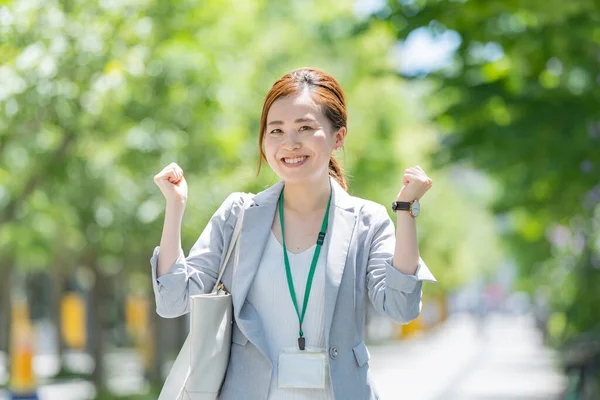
(339, 138)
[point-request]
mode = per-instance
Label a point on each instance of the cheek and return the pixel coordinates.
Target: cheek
(322, 140)
(269, 148)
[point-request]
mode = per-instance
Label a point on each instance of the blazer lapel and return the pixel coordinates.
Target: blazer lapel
(339, 233)
(256, 228)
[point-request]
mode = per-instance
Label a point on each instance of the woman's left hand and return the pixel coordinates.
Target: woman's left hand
(415, 184)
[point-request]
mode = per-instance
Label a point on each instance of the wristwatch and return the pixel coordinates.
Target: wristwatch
(413, 207)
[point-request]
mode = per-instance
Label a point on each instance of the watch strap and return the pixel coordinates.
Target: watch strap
(401, 206)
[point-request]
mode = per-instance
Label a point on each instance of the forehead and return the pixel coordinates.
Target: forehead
(290, 108)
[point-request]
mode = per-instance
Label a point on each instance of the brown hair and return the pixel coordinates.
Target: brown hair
(325, 90)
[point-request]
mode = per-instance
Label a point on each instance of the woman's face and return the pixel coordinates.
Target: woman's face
(299, 139)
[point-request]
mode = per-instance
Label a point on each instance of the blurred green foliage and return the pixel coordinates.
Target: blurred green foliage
(96, 97)
(520, 100)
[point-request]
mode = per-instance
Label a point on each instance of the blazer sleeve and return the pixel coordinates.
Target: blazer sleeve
(197, 273)
(392, 292)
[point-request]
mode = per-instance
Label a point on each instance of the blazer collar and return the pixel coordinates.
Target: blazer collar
(256, 229)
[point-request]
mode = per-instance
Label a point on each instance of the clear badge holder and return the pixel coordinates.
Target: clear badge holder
(303, 369)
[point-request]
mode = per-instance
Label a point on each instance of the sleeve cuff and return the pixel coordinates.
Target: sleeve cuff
(169, 280)
(407, 283)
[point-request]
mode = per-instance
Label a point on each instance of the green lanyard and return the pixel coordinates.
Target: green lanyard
(313, 265)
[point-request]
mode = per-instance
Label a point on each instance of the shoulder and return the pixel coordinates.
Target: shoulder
(370, 212)
(372, 219)
(236, 201)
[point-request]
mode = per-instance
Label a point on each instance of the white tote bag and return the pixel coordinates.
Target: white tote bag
(200, 367)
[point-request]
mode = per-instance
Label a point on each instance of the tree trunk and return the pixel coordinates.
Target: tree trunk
(155, 348)
(5, 304)
(97, 324)
(183, 324)
(58, 288)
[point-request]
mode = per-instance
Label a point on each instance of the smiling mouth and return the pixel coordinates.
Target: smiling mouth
(294, 160)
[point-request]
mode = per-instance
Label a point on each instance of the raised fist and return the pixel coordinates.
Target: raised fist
(172, 184)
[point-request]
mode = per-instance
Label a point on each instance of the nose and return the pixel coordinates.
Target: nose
(291, 141)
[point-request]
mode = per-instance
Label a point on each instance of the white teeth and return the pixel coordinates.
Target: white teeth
(294, 160)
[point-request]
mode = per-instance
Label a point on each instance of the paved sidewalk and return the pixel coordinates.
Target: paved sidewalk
(507, 362)
(452, 362)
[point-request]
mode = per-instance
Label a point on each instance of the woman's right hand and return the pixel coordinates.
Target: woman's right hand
(172, 184)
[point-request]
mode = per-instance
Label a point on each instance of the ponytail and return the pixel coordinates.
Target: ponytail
(335, 170)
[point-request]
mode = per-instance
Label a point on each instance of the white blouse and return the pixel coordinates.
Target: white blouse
(270, 296)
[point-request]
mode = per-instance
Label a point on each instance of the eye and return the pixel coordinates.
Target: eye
(275, 132)
(305, 126)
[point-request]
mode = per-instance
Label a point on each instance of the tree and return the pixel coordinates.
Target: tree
(520, 102)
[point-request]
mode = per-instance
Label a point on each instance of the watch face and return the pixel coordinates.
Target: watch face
(416, 208)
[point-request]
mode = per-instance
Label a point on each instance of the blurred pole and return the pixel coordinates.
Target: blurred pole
(73, 329)
(138, 326)
(22, 384)
(136, 316)
(410, 329)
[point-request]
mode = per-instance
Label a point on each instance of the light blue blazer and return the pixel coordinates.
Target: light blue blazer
(359, 244)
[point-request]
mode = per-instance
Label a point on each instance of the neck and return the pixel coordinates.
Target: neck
(306, 197)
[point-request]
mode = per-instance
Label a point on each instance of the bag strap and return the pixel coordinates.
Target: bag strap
(232, 244)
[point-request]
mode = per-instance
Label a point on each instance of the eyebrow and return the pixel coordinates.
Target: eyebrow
(296, 121)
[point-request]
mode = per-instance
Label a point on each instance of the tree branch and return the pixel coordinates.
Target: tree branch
(8, 214)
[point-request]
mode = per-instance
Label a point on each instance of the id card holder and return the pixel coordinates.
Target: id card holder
(302, 369)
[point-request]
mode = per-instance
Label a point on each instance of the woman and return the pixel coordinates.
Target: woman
(299, 312)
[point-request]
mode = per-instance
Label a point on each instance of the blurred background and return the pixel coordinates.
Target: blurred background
(498, 100)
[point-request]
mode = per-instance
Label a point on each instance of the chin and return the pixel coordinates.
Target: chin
(292, 179)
